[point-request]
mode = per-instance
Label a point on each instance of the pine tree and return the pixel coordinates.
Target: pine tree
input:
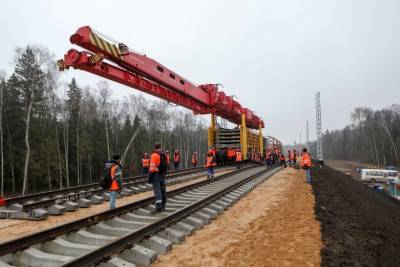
(73, 106)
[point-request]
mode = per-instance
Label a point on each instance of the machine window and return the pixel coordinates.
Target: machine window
(160, 69)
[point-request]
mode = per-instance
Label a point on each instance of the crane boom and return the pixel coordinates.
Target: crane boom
(115, 61)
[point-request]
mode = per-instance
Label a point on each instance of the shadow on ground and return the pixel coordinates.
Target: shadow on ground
(359, 227)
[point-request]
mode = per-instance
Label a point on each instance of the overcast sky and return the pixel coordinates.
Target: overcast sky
(273, 55)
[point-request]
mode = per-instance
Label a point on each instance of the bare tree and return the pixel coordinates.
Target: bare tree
(105, 93)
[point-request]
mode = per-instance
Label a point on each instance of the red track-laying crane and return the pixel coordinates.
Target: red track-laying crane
(115, 61)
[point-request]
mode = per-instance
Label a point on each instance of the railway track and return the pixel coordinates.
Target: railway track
(133, 234)
(57, 202)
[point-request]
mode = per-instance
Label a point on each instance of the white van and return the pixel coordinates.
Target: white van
(377, 176)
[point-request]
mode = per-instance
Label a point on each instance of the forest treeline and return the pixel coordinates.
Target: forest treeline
(54, 135)
(373, 137)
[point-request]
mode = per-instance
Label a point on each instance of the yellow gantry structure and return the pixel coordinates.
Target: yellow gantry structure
(243, 137)
(211, 132)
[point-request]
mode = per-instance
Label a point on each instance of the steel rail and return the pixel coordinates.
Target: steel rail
(96, 256)
(22, 199)
(24, 242)
(94, 191)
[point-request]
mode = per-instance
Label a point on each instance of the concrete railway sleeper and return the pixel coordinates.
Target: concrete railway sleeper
(58, 204)
(86, 187)
(133, 234)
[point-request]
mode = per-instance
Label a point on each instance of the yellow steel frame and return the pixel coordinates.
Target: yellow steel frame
(243, 137)
(261, 141)
(211, 133)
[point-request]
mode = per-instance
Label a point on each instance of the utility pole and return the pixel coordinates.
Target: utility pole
(320, 154)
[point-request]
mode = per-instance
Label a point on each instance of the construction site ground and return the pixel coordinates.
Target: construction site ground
(359, 227)
(274, 225)
(338, 221)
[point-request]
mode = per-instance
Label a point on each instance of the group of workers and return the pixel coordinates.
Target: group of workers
(157, 164)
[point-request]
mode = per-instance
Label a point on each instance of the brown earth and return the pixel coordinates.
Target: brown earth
(11, 229)
(360, 227)
(274, 225)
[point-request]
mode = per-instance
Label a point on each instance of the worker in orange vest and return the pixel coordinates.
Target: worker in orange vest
(168, 158)
(282, 159)
(115, 172)
(194, 160)
(210, 163)
(268, 157)
(238, 159)
(157, 173)
(177, 159)
(306, 165)
(288, 157)
(293, 157)
(145, 163)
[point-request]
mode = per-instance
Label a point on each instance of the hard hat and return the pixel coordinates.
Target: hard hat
(166, 151)
(145, 154)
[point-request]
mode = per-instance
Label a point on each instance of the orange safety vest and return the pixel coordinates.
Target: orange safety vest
(177, 157)
(145, 162)
(282, 157)
(167, 156)
(194, 159)
(291, 156)
(210, 161)
(238, 156)
(155, 161)
(306, 160)
(114, 183)
(231, 153)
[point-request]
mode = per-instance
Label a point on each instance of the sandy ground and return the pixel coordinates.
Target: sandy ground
(274, 225)
(10, 229)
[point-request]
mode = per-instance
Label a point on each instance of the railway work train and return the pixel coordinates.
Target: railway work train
(117, 62)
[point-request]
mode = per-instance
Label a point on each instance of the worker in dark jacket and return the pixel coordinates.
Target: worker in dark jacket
(157, 172)
(282, 159)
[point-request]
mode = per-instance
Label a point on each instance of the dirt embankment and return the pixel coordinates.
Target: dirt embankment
(274, 225)
(359, 226)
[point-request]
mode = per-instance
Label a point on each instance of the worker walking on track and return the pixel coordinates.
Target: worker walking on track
(145, 163)
(114, 170)
(238, 159)
(194, 160)
(157, 172)
(306, 165)
(282, 159)
(210, 163)
(177, 159)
